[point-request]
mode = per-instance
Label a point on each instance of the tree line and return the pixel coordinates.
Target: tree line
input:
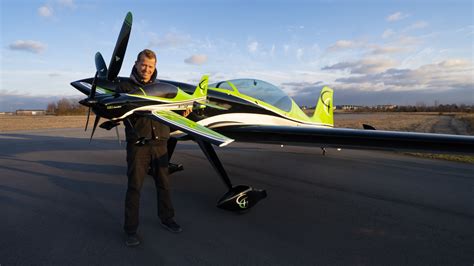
(66, 106)
(444, 108)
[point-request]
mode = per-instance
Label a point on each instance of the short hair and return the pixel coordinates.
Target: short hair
(147, 53)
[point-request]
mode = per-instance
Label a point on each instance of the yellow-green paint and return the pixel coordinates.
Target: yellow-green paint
(295, 113)
(324, 108)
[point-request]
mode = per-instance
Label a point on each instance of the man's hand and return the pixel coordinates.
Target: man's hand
(187, 111)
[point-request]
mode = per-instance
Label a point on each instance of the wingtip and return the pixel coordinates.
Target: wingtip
(226, 143)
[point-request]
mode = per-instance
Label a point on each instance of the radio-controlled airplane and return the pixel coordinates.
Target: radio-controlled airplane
(247, 110)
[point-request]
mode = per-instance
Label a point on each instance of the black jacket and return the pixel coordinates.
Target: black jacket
(138, 126)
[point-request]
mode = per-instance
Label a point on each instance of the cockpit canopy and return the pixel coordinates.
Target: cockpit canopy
(158, 89)
(259, 90)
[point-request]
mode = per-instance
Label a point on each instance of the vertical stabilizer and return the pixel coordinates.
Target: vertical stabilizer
(324, 108)
(201, 88)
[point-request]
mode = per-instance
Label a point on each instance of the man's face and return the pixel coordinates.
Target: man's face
(145, 67)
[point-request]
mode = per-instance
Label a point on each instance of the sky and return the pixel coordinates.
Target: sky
(370, 52)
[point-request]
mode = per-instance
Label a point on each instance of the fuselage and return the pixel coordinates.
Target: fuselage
(267, 105)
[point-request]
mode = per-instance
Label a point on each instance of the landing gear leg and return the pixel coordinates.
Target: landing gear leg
(238, 198)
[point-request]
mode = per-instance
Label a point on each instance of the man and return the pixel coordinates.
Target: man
(146, 148)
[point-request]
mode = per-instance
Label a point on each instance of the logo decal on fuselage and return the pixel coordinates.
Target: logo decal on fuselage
(242, 201)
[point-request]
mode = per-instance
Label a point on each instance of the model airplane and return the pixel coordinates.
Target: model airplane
(246, 110)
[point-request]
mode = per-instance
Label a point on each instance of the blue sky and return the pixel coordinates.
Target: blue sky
(370, 52)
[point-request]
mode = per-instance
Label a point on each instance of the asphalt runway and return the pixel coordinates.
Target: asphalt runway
(61, 202)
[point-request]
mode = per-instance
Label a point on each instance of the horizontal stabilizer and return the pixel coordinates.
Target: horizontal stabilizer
(192, 128)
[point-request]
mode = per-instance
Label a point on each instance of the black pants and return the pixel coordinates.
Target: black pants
(139, 159)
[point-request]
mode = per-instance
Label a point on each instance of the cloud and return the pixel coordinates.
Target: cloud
(45, 11)
(252, 47)
(364, 66)
(454, 63)
(198, 59)
(342, 44)
(301, 84)
(445, 75)
(67, 3)
(417, 25)
(355, 95)
(299, 53)
(12, 101)
(388, 33)
(467, 30)
(396, 16)
(409, 40)
(170, 40)
(306, 93)
(28, 45)
(381, 50)
(272, 51)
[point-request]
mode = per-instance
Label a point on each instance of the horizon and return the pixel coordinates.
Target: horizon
(395, 52)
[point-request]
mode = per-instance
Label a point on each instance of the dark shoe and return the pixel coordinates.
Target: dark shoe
(132, 240)
(172, 226)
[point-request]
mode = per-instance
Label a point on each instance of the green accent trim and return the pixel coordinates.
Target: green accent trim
(107, 91)
(181, 96)
(129, 19)
(233, 87)
(144, 93)
(242, 201)
(188, 126)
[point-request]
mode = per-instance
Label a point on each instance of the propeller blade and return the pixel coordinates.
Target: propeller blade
(120, 48)
(118, 136)
(88, 115)
(100, 65)
(93, 88)
(96, 121)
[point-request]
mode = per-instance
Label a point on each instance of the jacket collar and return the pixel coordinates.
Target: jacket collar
(136, 77)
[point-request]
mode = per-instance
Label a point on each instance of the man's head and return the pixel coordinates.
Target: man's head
(145, 64)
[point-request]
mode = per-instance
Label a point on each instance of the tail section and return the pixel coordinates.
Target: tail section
(201, 88)
(324, 108)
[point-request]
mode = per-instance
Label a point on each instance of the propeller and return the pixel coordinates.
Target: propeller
(96, 121)
(114, 66)
(91, 99)
(101, 73)
(120, 48)
(100, 65)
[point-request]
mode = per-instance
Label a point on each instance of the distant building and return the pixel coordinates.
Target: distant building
(30, 112)
(386, 106)
(348, 107)
(7, 113)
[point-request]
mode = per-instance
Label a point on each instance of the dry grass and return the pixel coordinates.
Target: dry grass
(417, 122)
(15, 123)
(468, 119)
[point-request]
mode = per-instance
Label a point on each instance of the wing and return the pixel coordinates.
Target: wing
(192, 128)
(352, 138)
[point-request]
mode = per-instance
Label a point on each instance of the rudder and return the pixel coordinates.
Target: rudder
(201, 88)
(324, 108)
